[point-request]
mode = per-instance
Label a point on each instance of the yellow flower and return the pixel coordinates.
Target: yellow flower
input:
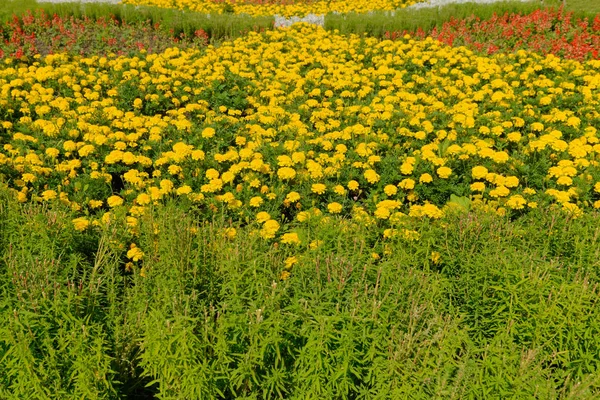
(435, 257)
(477, 187)
(28, 178)
(135, 253)
(49, 195)
(270, 227)
(256, 201)
(230, 233)
(290, 238)
(292, 197)
(185, 189)
(371, 176)
(81, 223)
(143, 199)
(114, 201)
(262, 217)
(207, 133)
(407, 184)
(516, 202)
(286, 173)
(318, 188)
(479, 172)
(390, 190)
(444, 172)
(353, 185)
(425, 178)
(334, 208)
(290, 262)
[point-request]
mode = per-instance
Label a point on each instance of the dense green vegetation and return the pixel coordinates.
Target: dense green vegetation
(510, 309)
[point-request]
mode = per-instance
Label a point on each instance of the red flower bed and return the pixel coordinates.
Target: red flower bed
(41, 33)
(546, 31)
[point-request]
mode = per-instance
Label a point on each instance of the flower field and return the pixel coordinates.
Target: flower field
(304, 122)
(299, 212)
(277, 7)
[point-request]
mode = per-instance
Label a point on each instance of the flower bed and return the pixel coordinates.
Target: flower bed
(285, 8)
(275, 129)
(40, 34)
(545, 31)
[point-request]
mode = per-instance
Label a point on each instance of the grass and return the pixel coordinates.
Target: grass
(509, 310)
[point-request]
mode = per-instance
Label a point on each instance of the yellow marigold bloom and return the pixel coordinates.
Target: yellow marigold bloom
(444, 172)
(537, 127)
(211, 173)
(318, 188)
(425, 178)
(284, 275)
(207, 133)
(479, 172)
(407, 168)
(135, 253)
(334, 208)
(185, 189)
(28, 178)
(340, 190)
(262, 217)
(500, 191)
(514, 137)
(286, 173)
(390, 190)
(564, 181)
(302, 216)
(256, 201)
(52, 152)
(292, 197)
(371, 176)
(114, 201)
(435, 257)
(516, 202)
(290, 238)
(95, 203)
(269, 229)
(407, 184)
(49, 195)
(81, 223)
(511, 181)
(143, 199)
(230, 233)
(477, 187)
(597, 187)
(572, 209)
(290, 262)
(174, 169)
(382, 213)
(21, 197)
(353, 185)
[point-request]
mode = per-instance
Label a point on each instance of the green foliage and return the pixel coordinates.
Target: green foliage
(509, 309)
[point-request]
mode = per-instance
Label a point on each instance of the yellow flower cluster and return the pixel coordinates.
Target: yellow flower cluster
(300, 124)
(278, 7)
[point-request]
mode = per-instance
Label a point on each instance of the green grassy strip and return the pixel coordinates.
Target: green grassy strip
(509, 310)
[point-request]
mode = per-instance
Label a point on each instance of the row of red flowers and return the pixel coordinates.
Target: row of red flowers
(546, 31)
(41, 33)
